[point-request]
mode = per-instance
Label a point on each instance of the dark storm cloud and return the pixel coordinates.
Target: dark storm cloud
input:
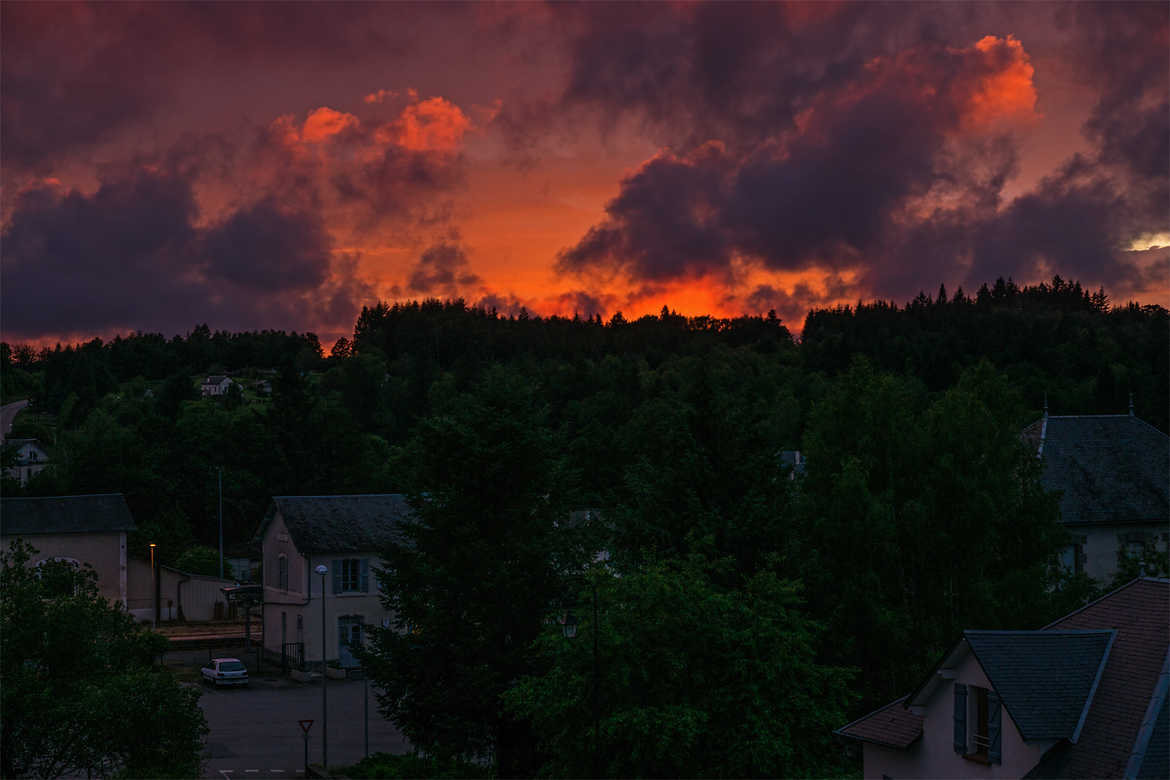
(441, 270)
(76, 74)
(130, 256)
(265, 247)
(847, 142)
(827, 195)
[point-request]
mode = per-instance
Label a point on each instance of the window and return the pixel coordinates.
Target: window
(977, 724)
(1072, 558)
(282, 571)
(351, 575)
(979, 738)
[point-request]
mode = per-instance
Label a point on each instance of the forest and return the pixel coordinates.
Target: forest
(747, 607)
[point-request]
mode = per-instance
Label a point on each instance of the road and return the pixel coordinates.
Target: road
(7, 415)
(254, 731)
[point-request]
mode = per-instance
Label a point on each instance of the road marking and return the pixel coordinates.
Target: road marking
(251, 771)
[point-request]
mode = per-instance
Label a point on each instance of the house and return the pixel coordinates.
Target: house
(215, 384)
(80, 529)
(1085, 696)
(31, 459)
(1113, 475)
(182, 596)
(343, 533)
(794, 461)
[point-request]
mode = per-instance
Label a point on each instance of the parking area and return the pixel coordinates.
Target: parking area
(254, 730)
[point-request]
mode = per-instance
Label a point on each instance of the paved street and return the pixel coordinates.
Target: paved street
(7, 415)
(254, 731)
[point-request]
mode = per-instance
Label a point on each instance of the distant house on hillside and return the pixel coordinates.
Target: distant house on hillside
(216, 384)
(343, 533)
(1113, 474)
(31, 459)
(1083, 697)
(79, 529)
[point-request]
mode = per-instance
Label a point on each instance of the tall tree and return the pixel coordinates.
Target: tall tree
(471, 578)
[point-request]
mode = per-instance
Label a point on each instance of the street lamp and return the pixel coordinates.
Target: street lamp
(322, 570)
(570, 632)
(154, 587)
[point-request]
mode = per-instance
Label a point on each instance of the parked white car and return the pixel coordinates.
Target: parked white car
(225, 671)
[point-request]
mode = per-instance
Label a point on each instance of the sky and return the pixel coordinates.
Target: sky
(271, 165)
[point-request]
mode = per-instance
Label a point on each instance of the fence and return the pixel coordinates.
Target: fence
(292, 656)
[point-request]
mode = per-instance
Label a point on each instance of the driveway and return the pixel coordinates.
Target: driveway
(254, 731)
(7, 415)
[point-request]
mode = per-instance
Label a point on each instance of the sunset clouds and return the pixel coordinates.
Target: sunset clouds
(276, 165)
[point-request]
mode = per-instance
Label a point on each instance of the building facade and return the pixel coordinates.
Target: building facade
(308, 616)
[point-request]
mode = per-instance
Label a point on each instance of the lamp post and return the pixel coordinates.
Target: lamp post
(322, 570)
(153, 587)
(365, 697)
(570, 632)
(219, 480)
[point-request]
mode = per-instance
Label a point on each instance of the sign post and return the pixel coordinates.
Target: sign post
(305, 726)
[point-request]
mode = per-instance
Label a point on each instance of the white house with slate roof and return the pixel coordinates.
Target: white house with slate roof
(345, 534)
(1112, 472)
(1086, 696)
(80, 529)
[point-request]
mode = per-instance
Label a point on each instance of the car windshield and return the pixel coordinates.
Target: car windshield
(232, 666)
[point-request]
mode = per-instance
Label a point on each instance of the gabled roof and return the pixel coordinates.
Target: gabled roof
(338, 524)
(891, 726)
(101, 513)
(1109, 468)
(1138, 611)
(214, 379)
(1121, 718)
(1045, 679)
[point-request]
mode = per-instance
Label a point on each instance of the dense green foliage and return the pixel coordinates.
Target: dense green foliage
(202, 560)
(918, 513)
(471, 580)
(694, 680)
(80, 691)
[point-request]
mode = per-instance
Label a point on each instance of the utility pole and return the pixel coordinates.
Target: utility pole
(219, 479)
(322, 570)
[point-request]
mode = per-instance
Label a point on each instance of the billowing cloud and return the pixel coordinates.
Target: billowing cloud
(132, 256)
(442, 270)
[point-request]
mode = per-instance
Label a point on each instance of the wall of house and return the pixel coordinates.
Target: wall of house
(934, 755)
(1102, 544)
(277, 602)
(106, 552)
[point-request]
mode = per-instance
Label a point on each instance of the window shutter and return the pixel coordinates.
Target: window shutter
(994, 728)
(336, 576)
(960, 719)
(365, 585)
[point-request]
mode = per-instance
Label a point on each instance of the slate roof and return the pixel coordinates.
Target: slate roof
(1109, 468)
(891, 726)
(1154, 761)
(101, 513)
(1138, 611)
(1045, 679)
(1131, 680)
(338, 524)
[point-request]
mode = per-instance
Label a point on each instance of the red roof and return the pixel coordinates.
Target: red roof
(1139, 611)
(893, 726)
